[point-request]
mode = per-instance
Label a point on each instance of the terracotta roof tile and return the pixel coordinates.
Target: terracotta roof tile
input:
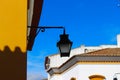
(104, 52)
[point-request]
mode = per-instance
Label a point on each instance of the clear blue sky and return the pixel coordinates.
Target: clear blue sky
(88, 22)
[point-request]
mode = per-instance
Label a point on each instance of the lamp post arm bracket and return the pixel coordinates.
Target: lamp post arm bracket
(42, 28)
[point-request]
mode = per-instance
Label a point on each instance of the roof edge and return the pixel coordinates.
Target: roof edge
(75, 59)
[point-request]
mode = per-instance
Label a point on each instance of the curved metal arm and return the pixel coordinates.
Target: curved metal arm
(42, 28)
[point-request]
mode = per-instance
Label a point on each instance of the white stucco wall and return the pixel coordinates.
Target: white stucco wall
(83, 71)
(118, 40)
(57, 61)
(55, 77)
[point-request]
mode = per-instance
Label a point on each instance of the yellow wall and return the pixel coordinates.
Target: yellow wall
(13, 29)
(13, 23)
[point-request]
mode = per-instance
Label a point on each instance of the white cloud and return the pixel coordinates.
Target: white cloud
(33, 64)
(34, 76)
(35, 70)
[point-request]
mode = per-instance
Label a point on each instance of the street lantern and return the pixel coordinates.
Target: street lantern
(64, 45)
(115, 78)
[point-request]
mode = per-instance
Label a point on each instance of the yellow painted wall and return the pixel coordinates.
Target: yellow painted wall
(13, 29)
(13, 24)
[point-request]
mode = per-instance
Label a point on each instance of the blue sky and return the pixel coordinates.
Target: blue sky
(88, 22)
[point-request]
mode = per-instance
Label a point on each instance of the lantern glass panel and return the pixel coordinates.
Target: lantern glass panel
(64, 48)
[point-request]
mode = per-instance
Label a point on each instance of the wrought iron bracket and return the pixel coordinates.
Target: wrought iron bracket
(43, 28)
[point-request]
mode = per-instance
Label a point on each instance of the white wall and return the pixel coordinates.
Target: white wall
(83, 71)
(118, 40)
(56, 60)
(55, 77)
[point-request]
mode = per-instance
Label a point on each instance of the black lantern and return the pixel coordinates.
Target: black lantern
(115, 78)
(64, 45)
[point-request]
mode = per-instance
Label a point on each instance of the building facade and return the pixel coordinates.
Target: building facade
(85, 62)
(13, 36)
